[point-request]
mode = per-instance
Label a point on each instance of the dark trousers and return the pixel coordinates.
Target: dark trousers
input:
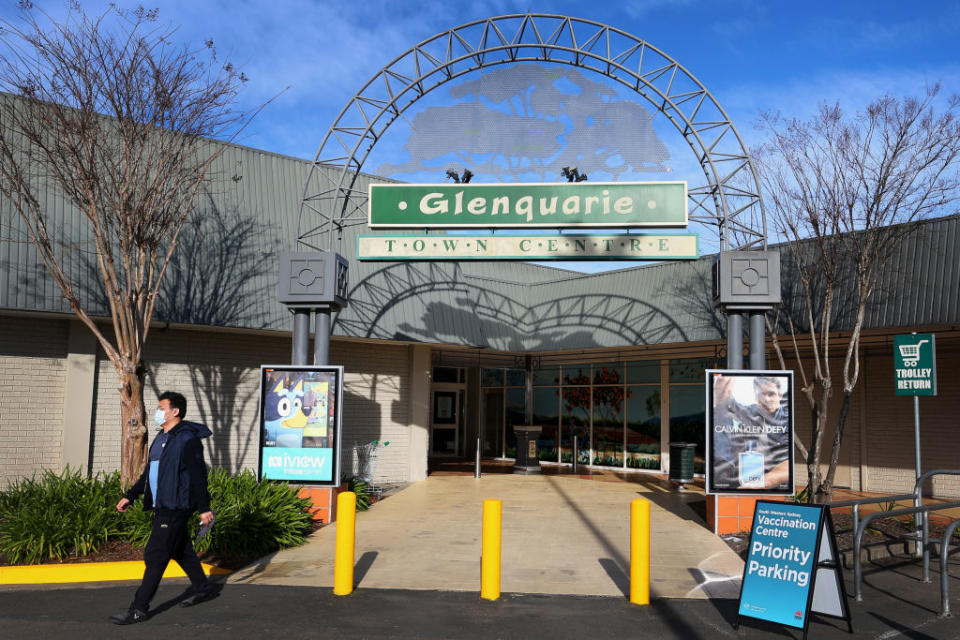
(169, 540)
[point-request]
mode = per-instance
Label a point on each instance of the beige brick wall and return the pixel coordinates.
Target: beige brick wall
(848, 475)
(219, 375)
(218, 372)
(889, 427)
(32, 376)
(878, 452)
(375, 405)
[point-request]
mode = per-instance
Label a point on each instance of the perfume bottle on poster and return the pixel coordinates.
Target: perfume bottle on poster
(751, 467)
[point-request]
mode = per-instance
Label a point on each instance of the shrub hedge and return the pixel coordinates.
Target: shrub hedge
(60, 515)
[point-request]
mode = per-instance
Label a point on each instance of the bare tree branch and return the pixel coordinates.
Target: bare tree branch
(843, 193)
(108, 114)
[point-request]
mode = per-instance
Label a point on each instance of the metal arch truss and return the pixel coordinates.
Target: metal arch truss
(729, 201)
(534, 327)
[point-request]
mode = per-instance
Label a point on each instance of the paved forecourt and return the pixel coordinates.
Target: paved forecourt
(561, 535)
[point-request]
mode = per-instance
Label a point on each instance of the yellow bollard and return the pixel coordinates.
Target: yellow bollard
(640, 551)
(490, 556)
(346, 540)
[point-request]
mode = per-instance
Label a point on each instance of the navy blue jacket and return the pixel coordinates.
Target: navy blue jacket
(181, 475)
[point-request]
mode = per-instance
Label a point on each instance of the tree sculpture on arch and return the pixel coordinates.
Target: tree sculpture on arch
(729, 200)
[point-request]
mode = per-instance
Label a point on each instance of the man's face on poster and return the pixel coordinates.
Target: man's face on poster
(768, 397)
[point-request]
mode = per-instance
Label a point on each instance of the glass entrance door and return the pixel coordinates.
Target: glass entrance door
(492, 422)
(444, 431)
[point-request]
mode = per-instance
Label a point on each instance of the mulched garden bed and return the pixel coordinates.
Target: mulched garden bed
(881, 531)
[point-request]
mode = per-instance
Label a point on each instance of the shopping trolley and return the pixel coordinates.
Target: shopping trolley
(911, 353)
(366, 458)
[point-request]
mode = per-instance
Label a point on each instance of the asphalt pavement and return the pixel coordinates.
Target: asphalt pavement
(896, 605)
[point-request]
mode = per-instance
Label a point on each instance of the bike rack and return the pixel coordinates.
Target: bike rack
(921, 535)
(858, 539)
(856, 504)
(944, 576)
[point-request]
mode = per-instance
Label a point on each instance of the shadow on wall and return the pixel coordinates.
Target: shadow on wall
(222, 396)
(231, 414)
(216, 278)
(383, 304)
(694, 298)
(362, 424)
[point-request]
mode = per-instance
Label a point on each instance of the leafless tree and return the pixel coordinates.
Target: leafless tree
(843, 191)
(107, 113)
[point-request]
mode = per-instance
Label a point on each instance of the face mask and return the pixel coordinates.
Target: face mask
(159, 417)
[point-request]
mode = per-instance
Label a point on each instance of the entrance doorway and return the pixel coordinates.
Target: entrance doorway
(445, 426)
(492, 423)
(447, 409)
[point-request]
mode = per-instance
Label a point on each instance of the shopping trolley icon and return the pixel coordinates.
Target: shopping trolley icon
(911, 353)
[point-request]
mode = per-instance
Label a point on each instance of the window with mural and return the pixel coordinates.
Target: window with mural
(615, 409)
(609, 395)
(643, 427)
(546, 413)
(688, 404)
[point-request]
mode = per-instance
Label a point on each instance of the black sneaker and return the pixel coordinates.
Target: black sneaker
(197, 598)
(130, 616)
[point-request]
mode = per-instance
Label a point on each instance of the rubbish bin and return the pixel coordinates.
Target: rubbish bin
(682, 455)
(527, 461)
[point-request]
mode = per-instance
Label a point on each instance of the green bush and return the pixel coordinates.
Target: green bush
(253, 518)
(362, 491)
(57, 516)
(137, 524)
(54, 516)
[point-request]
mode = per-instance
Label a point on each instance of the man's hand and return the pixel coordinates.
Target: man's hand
(206, 518)
(775, 477)
(122, 505)
(722, 386)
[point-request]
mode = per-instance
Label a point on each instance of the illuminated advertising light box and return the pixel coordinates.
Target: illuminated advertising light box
(749, 432)
(300, 424)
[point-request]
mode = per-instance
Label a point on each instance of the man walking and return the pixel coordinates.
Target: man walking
(173, 485)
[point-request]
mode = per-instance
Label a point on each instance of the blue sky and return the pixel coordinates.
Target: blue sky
(753, 56)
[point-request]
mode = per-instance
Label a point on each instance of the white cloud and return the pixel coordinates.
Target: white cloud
(800, 96)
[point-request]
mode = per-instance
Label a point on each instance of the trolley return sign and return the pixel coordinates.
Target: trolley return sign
(551, 205)
(528, 247)
(915, 364)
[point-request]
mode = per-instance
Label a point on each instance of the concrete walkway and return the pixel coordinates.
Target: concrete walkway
(561, 535)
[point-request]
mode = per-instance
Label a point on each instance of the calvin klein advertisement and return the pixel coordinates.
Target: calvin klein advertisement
(750, 432)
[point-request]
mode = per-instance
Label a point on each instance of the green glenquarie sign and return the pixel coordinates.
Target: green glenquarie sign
(568, 204)
(528, 247)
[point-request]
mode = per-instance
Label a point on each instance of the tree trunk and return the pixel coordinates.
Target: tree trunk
(826, 489)
(133, 428)
(814, 477)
